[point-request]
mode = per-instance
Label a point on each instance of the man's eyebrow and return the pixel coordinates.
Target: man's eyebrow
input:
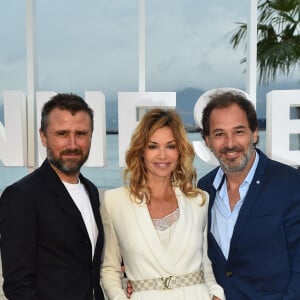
(218, 129)
(234, 128)
(62, 131)
(240, 127)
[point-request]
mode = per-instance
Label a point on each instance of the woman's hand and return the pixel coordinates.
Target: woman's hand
(129, 289)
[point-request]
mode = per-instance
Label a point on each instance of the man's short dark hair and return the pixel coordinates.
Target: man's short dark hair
(70, 102)
(226, 99)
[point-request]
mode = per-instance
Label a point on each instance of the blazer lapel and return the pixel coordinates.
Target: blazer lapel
(183, 229)
(94, 200)
(148, 231)
(95, 204)
(61, 195)
(213, 248)
(250, 199)
(166, 257)
(213, 243)
(212, 197)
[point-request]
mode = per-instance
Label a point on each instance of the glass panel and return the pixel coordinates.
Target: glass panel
(294, 142)
(294, 112)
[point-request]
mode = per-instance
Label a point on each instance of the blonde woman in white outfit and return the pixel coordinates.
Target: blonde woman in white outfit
(156, 224)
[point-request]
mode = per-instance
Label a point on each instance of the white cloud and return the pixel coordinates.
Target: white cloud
(93, 44)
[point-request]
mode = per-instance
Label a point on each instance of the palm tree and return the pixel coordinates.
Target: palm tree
(278, 33)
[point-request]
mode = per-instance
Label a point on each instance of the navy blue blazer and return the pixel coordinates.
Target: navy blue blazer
(45, 248)
(264, 255)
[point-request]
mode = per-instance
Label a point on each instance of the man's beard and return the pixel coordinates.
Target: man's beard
(69, 166)
(233, 167)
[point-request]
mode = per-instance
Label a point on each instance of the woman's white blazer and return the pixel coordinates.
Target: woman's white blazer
(130, 236)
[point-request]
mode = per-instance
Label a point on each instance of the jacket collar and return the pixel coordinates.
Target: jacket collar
(168, 256)
(63, 198)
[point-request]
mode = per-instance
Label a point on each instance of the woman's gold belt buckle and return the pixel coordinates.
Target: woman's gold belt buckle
(167, 282)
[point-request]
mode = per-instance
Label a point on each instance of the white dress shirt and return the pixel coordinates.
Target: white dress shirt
(82, 201)
(223, 219)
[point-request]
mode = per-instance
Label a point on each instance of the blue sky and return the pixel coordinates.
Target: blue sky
(93, 45)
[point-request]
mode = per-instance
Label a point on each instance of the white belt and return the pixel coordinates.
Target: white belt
(169, 282)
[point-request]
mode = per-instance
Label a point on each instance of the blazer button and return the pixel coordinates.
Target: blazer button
(228, 274)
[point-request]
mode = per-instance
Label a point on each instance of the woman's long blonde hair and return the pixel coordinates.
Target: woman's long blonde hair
(135, 173)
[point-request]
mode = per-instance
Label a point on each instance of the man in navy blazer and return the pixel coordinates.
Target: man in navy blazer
(254, 210)
(51, 231)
